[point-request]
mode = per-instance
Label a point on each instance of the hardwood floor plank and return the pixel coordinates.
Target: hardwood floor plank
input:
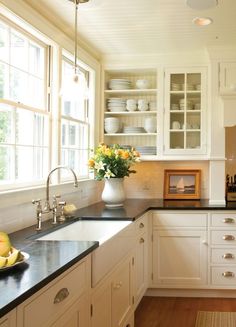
(177, 312)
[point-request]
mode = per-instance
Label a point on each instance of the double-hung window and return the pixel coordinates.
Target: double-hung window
(24, 113)
(75, 122)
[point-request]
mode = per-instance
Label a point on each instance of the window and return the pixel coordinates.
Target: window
(75, 125)
(24, 116)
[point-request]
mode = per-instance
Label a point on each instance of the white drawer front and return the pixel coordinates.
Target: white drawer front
(179, 219)
(225, 237)
(223, 255)
(223, 220)
(53, 300)
(224, 276)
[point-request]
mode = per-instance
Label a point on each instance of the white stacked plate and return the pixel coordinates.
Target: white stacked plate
(191, 87)
(133, 130)
(116, 104)
(176, 87)
(112, 125)
(146, 150)
(119, 84)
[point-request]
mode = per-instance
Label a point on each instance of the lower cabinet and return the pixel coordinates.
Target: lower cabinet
(62, 303)
(112, 299)
(179, 250)
(9, 320)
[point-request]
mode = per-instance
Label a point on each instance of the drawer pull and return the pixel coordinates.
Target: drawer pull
(117, 286)
(141, 225)
(228, 256)
(228, 220)
(141, 240)
(228, 238)
(228, 274)
(61, 295)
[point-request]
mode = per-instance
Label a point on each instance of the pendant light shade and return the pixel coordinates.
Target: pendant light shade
(201, 4)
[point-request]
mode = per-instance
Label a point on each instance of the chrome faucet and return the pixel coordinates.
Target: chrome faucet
(47, 207)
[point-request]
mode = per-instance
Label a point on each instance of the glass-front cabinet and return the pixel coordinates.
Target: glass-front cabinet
(185, 107)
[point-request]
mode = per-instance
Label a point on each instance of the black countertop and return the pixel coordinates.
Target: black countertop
(48, 259)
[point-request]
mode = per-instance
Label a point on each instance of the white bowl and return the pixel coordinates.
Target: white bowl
(142, 84)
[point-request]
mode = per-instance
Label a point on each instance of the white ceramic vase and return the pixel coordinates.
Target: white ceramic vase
(113, 193)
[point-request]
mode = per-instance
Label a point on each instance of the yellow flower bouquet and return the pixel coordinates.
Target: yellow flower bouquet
(112, 162)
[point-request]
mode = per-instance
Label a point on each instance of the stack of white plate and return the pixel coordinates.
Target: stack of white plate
(112, 125)
(189, 104)
(191, 87)
(116, 104)
(119, 84)
(146, 150)
(176, 87)
(134, 130)
(174, 106)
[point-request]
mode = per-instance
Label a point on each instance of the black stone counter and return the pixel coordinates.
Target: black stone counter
(48, 259)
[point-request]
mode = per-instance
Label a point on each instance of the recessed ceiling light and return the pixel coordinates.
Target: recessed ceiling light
(202, 21)
(201, 4)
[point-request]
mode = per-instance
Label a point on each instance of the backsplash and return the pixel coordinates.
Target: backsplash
(146, 183)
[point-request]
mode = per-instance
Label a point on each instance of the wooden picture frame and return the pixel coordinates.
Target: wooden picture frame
(182, 184)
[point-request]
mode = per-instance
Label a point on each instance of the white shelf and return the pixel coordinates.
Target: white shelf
(132, 91)
(130, 113)
(130, 134)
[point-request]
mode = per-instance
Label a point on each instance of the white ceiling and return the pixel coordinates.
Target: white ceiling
(142, 26)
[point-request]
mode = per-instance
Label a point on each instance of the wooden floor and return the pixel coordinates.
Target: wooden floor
(177, 312)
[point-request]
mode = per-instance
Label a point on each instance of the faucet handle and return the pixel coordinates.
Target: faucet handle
(38, 203)
(54, 203)
(62, 216)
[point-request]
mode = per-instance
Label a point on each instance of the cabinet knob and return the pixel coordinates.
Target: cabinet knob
(141, 225)
(228, 256)
(204, 242)
(228, 238)
(61, 295)
(228, 220)
(228, 274)
(117, 285)
(141, 240)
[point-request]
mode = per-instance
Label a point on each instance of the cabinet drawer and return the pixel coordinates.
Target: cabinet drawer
(179, 219)
(223, 220)
(52, 302)
(227, 255)
(225, 237)
(224, 276)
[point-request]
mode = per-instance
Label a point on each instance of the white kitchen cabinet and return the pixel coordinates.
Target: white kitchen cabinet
(134, 118)
(112, 299)
(9, 320)
(179, 250)
(227, 71)
(185, 111)
(222, 265)
(62, 303)
(141, 259)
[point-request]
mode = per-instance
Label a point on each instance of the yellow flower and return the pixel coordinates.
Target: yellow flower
(91, 163)
(108, 152)
(136, 154)
(125, 155)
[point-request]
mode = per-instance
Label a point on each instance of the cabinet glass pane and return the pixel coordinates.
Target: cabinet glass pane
(193, 120)
(177, 140)
(176, 120)
(193, 81)
(177, 82)
(177, 101)
(193, 140)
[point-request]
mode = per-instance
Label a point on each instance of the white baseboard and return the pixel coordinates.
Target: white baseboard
(191, 293)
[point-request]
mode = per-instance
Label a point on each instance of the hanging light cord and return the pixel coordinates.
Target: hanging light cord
(76, 27)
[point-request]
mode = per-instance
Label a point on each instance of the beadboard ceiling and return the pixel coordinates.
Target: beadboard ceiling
(142, 26)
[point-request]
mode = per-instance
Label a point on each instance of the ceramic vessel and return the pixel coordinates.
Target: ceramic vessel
(113, 193)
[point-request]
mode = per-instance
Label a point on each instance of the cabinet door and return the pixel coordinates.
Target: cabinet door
(185, 106)
(179, 258)
(141, 267)
(228, 78)
(9, 320)
(122, 293)
(76, 316)
(101, 306)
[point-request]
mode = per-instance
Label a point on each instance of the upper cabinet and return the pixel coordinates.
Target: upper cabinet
(130, 110)
(185, 111)
(227, 78)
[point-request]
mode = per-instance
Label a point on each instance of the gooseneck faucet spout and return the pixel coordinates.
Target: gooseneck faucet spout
(47, 203)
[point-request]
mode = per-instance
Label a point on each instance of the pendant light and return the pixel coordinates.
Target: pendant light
(202, 4)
